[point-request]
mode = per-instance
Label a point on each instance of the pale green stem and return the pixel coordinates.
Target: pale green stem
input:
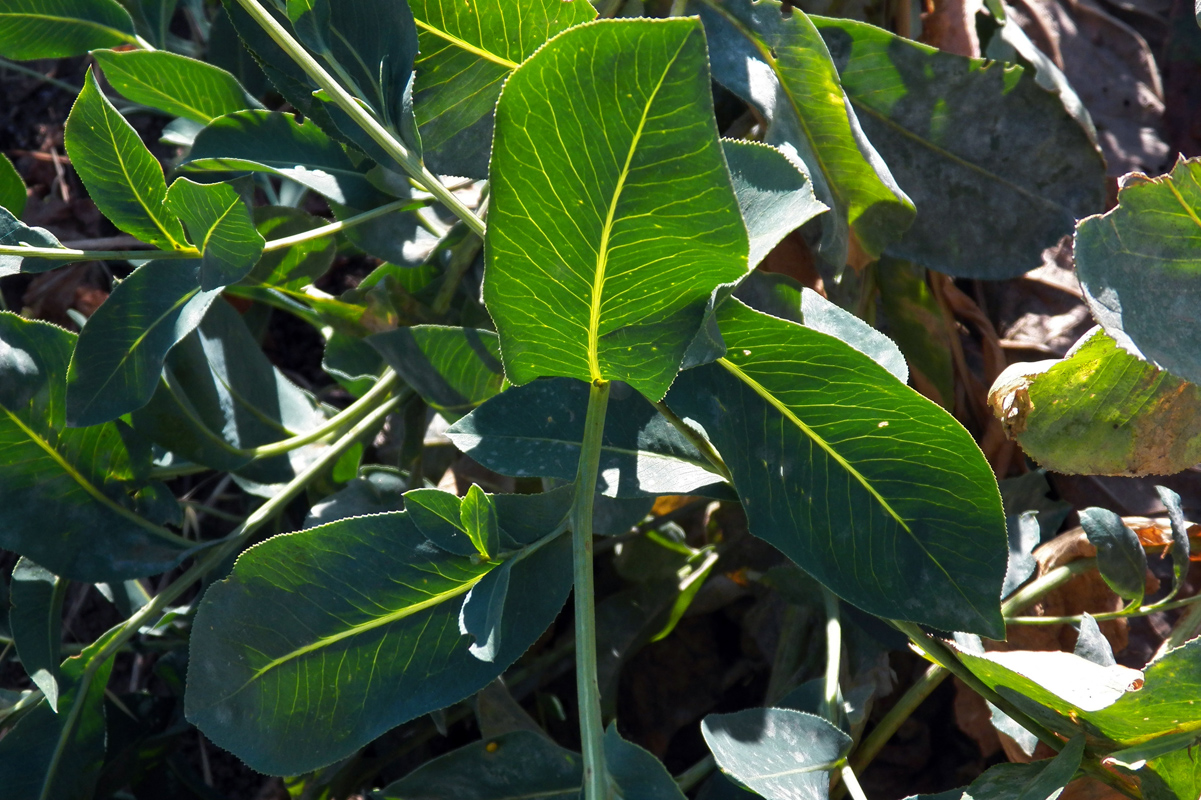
(851, 782)
(1041, 586)
(832, 706)
(116, 637)
(678, 8)
(592, 731)
(391, 145)
(689, 778)
(1103, 616)
(68, 254)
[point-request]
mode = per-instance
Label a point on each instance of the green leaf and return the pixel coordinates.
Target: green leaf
(374, 493)
(173, 83)
(291, 670)
(1165, 704)
(1100, 411)
(536, 430)
(774, 196)
(61, 28)
(516, 766)
(1179, 549)
(915, 322)
(352, 362)
(52, 756)
(438, 515)
(12, 188)
(604, 240)
(35, 618)
(122, 178)
(1120, 556)
(986, 153)
(1140, 264)
(467, 51)
(482, 613)
(1040, 780)
(14, 232)
(869, 487)
(479, 521)
(1179, 772)
(220, 396)
(77, 482)
(637, 774)
(292, 267)
(120, 353)
(271, 141)
(220, 227)
(453, 369)
(779, 64)
(780, 753)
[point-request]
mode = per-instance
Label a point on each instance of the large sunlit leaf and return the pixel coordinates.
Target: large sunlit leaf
(612, 219)
(1100, 411)
(779, 753)
(999, 170)
(123, 179)
(321, 640)
(1140, 266)
(467, 51)
(120, 353)
(536, 430)
(173, 83)
(50, 756)
(779, 64)
(66, 494)
(869, 487)
(60, 28)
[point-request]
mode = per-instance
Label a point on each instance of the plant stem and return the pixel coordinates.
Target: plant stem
(689, 778)
(698, 441)
(592, 732)
(830, 698)
(1041, 586)
(33, 73)
(391, 145)
(1075, 619)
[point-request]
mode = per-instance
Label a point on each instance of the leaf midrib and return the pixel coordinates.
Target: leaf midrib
(602, 253)
(84, 483)
(87, 23)
(465, 45)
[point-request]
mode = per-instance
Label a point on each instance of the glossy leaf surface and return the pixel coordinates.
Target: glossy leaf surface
(779, 64)
(1100, 411)
(291, 617)
(221, 229)
(855, 477)
(536, 430)
(1140, 266)
(779, 753)
(986, 153)
(467, 51)
(60, 28)
(604, 241)
(1120, 557)
(122, 177)
(120, 353)
(453, 369)
(77, 480)
(173, 83)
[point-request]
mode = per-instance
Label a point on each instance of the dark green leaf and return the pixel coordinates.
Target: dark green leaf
(269, 141)
(774, 196)
(479, 521)
(374, 493)
(453, 369)
(779, 64)
(1179, 549)
(915, 322)
(604, 242)
(1100, 411)
(291, 669)
(220, 396)
(1041, 780)
(516, 766)
(1120, 556)
(869, 487)
(986, 153)
(637, 774)
(60, 28)
(352, 362)
(120, 353)
(386, 237)
(482, 613)
(173, 83)
(1024, 535)
(1140, 265)
(35, 618)
(220, 226)
(122, 178)
(12, 188)
(1092, 644)
(52, 756)
(75, 482)
(467, 51)
(536, 430)
(14, 232)
(297, 266)
(779, 753)
(438, 515)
